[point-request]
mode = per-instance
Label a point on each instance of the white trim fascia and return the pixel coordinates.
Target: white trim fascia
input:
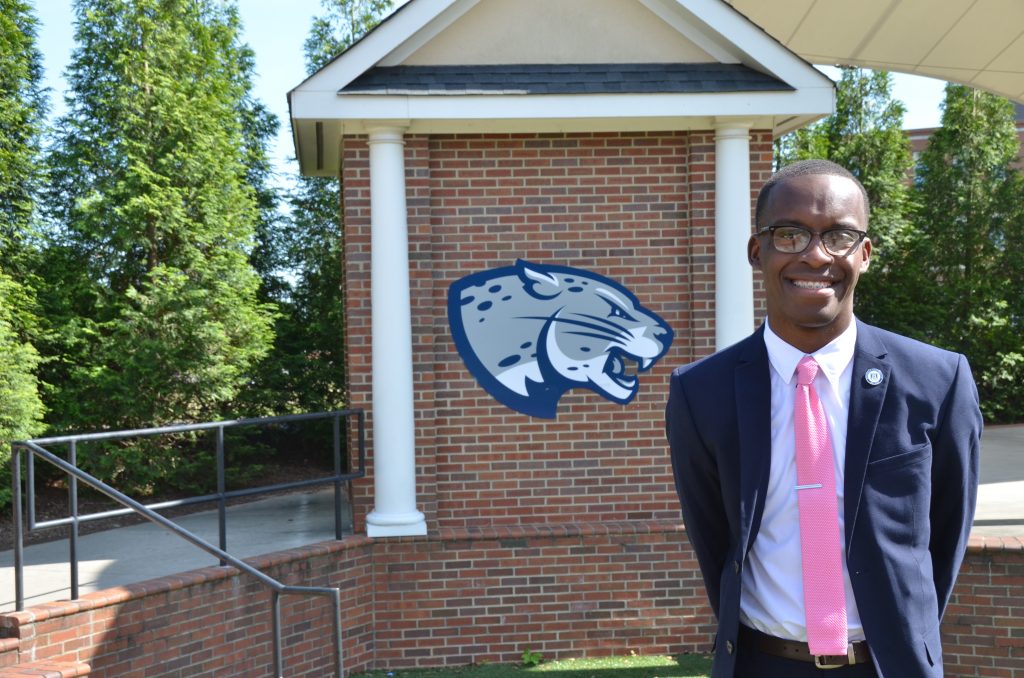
(407, 21)
(754, 46)
(785, 124)
(353, 107)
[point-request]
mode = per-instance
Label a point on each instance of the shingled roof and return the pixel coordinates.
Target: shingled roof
(563, 79)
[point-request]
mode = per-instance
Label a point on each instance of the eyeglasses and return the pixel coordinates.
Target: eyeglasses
(838, 242)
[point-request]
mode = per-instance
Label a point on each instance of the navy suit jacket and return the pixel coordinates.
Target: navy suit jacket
(911, 479)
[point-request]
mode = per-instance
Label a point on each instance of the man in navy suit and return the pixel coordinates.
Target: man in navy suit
(904, 424)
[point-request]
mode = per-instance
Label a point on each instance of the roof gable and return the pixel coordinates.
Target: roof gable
(564, 32)
(528, 65)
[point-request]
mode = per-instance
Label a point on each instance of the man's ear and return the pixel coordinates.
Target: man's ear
(754, 252)
(865, 250)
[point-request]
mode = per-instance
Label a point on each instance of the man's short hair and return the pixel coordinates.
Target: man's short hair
(804, 168)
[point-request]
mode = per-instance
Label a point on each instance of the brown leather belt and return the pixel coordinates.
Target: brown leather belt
(857, 652)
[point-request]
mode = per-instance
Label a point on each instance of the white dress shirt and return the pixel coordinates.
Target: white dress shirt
(772, 598)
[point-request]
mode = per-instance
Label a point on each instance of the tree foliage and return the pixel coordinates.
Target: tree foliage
(153, 216)
(971, 213)
(342, 25)
(22, 108)
(21, 409)
(307, 368)
(259, 127)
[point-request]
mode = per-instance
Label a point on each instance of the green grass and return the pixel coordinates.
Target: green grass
(684, 666)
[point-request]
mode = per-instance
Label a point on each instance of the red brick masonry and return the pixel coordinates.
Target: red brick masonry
(462, 596)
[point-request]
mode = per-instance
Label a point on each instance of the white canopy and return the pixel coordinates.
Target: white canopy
(974, 42)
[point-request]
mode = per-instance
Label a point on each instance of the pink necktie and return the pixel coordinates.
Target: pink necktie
(820, 548)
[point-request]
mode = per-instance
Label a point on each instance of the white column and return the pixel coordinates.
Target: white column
(734, 280)
(394, 441)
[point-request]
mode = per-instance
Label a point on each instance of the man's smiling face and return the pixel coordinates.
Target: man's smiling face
(810, 294)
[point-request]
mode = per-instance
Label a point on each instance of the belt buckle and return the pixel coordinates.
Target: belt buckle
(819, 659)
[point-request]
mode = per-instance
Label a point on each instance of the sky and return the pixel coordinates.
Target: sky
(276, 29)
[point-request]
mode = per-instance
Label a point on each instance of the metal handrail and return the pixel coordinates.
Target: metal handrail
(132, 506)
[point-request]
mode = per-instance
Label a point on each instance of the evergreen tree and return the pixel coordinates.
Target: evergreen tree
(865, 135)
(307, 369)
(971, 211)
(21, 409)
(22, 112)
(259, 127)
(22, 108)
(345, 22)
(153, 220)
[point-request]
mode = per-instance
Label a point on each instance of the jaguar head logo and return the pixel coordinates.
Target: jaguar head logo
(530, 332)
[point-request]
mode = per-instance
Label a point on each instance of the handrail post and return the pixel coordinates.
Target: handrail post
(19, 545)
(222, 504)
(336, 421)
(275, 614)
(339, 665)
(73, 527)
(362, 440)
(30, 494)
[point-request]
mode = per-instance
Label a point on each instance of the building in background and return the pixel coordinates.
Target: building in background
(919, 137)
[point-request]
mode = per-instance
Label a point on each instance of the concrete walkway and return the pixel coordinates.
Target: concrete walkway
(1001, 493)
(134, 554)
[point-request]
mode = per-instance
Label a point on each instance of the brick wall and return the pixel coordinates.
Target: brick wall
(471, 596)
(209, 622)
(983, 630)
(457, 597)
(638, 208)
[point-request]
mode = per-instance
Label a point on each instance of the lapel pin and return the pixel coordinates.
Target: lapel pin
(873, 376)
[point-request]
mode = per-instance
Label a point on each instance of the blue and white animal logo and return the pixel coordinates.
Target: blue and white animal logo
(531, 332)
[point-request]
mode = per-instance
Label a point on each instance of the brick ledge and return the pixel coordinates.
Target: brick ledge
(10, 622)
(13, 620)
(983, 544)
(46, 669)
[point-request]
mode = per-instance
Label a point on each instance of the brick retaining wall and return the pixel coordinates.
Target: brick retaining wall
(464, 596)
(983, 630)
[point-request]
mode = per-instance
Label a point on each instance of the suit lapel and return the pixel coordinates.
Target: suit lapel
(753, 417)
(867, 393)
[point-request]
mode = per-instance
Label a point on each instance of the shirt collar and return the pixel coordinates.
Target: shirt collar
(832, 358)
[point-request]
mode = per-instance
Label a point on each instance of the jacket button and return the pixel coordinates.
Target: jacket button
(729, 646)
